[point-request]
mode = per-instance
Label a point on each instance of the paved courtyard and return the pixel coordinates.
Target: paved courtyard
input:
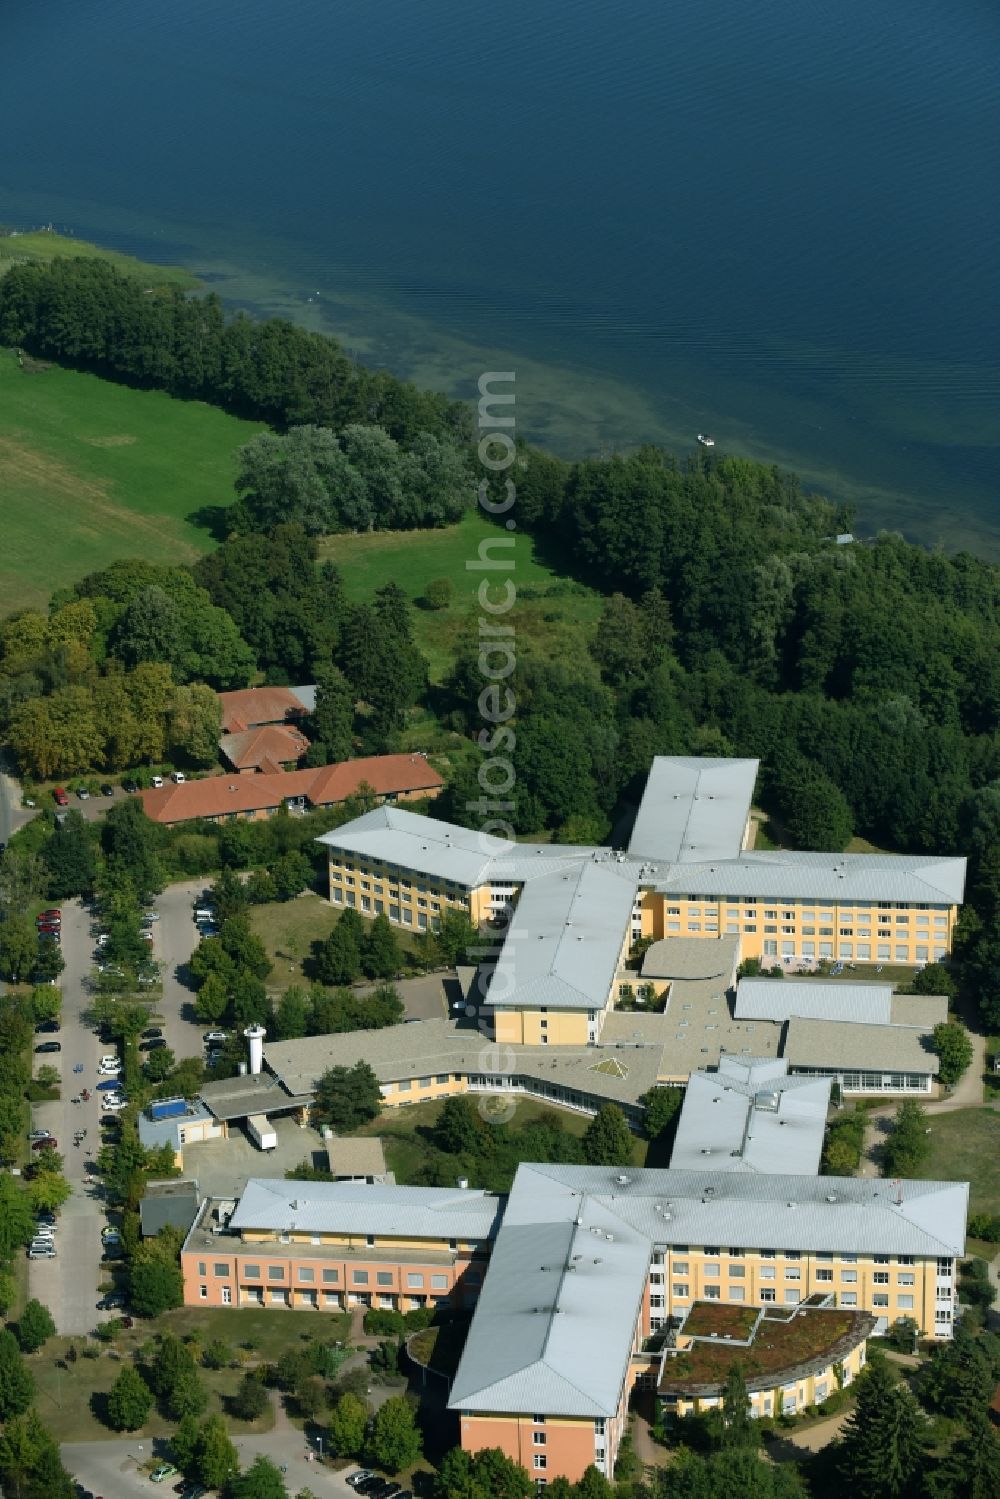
(222, 1167)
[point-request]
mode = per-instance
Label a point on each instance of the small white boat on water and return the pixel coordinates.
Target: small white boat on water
(705, 440)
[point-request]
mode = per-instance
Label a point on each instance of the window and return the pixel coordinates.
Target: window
(439, 1282)
(767, 1294)
(681, 1292)
(739, 1271)
(791, 1298)
(330, 1276)
(712, 1293)
(307, 1274)
(275, 1272)
(370, 1240)
(413, 1279)
(203, 1292)
(539, 1438)
(767, 1272)
(227, 1295)
(824, 1275)
(880, 1278)
(443, 1077)
(251, 1272)
(737, 1293)
(848, 1298)
(383, 1277)
(711, 1270)
(905, 1303)
(850, 1276)
(792, 1272)
(540, 1461)
(906, 1280)
(538, 1420)
(880, 1300)
(359, 1277)
(202, 1268)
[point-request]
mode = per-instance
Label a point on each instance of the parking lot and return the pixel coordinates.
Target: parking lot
(222, 1167)
(70, 1284)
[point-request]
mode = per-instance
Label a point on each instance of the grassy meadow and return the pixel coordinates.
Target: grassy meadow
(550, 613)
(44, 246)
(91, 471)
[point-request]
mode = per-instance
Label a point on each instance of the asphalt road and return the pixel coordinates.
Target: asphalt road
(68, 1285)
(175, 938)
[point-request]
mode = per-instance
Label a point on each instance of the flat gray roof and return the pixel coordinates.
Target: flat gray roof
(169, 1202)
(859, 879)
(812, 999)
(693, 809)
(357, 1155)
(619, 1070)
(838, 1214)
(239, 1097)
(864, 1048)
(154, 1133)
(692, 958)
(750, 1116)
(270, 1203)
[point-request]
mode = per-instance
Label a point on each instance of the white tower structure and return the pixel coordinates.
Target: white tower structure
(255, 1035)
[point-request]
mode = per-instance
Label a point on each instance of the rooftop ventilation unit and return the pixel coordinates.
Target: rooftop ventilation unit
(622, 1180)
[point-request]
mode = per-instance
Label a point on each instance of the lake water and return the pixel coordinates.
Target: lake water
(778, 222)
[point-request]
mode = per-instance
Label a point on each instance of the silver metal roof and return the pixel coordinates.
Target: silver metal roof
(366, 1208)
(779, 999)
(693, 810)
(420, 844)
(860, 879)
(554, 1323)
(750, 1116)
(864, 1048)
(565, 938)
(845, 1214)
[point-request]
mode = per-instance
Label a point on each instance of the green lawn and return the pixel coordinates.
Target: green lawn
(289, 928)
(91, 471)
(406, 1151)
(965, 1146)
(41, 245)
(547, 614)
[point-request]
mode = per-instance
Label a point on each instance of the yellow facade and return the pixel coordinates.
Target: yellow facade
(790, 1396)
(409, 899)
(422, 1089)
(541, 1027)
(876, 932)
(890, 1286)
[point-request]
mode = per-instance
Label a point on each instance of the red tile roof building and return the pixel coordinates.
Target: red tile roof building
(266, 749)
(252, 707)
(392, 778)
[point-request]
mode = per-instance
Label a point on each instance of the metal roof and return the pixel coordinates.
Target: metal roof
(554, 1324)
(864, 1048)
(565, 938)
(750, 1116)
(421, 844)
(154, 1133)
(860, 879)
(833, 1214)
(366, 1208)
(239, 1097)
(693, 809)
(779, 999)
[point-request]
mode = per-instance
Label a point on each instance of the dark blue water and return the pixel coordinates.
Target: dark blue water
(779, 221)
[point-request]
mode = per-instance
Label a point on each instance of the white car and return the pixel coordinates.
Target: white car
(150, 916)
(114, 1103)
(215, 1038)
(110, 1063)
(42, 1231)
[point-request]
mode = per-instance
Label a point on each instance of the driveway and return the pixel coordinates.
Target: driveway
(68, 1285)
(175, 938)
(223, 1167)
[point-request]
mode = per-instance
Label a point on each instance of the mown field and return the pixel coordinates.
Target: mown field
(965, 1146)
(549, 615)
(44, 246)
(91, 471)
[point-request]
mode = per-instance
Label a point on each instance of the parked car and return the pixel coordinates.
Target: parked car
(49, 918)
(47, 1028)
(107, 789)
(157, 781)
(204, 913)
(130, 786)
(109, 1085)
(47, 1218)
(146, 935)
(41, 1249)
(83, 793)
(48, 1046)
(215, 1038)
(114, 1103)
(165, 1470)
(50, 930)
(38, 1134)
(48, 1143)
(44, 1233)
(60, 798)
(150, 915)
(111, 1302)
(152, 1030)
(110, 1059)
(155, 1043)
(359, 1476)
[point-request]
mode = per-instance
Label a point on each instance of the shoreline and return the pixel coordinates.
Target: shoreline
(579, 412)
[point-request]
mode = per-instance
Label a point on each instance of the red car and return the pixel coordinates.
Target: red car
(50, 1143)
(50, 915)
(60, 797)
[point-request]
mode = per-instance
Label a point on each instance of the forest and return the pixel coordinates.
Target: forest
(864, 675)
